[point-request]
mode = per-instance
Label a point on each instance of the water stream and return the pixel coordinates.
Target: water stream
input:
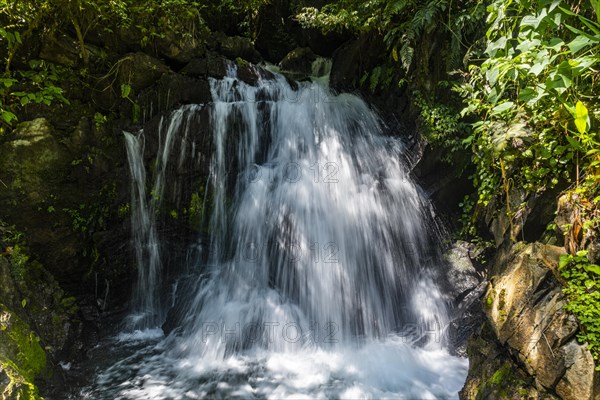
(322, 276)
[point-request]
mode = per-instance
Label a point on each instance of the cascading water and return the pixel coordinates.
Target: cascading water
(321, 276)
(147, 310)
(147, 253)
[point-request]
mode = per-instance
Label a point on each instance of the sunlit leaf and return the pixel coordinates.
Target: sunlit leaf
(125, 90)
(581, 117)
(500, 108)
(593, 268)
(579, 43)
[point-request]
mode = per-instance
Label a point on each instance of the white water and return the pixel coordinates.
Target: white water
(147, 311)
(145, 242)
(321, 281)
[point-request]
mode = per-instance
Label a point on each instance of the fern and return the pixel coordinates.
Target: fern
(402, 22)
(406, 55)
(396, 7)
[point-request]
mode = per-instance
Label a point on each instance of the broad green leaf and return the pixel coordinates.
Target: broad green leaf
(593, 268)
(494, 46)
(555, 44)
(500, 108)
(563, 261)
(7, 82)
(556, 82)
(527, 94)
(581, 117)
(554, 4)
(528, 44)
(580, 32)
(574, 143)
(581, 64)
(492, 75)
(538, 67)
(125, 90)
(534, 20)
(579, 43)
(7, 116)
(494, 95)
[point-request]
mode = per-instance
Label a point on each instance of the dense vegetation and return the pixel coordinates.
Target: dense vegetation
(27, 80)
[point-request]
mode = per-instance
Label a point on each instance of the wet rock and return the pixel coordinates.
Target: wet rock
(212, 65)
(465, 287)
(492, 372)
(33, 165)
(62, 50)
(274, 38)
(179, 47)
(139, 70)
(234, 47)
(461, 274)
(353, 59)
(580, 380)
(29, 160)
(171, 90)
(299, 62)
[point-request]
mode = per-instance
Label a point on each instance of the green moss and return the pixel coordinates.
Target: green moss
(502, 376)
(21, 356)
(200, 208)
(241, 62)
(69, 304)
(502, 299)
(18, 387)
(124, 210)
(489, 301)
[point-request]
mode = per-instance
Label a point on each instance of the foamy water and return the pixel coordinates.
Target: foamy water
(323, 275)
(386, 369)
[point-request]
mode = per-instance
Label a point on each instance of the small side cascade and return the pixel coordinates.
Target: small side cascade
(148, 310)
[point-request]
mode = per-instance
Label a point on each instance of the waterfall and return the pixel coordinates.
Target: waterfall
(145, 299)
(323, 268)
(325, 234)
(148, 310)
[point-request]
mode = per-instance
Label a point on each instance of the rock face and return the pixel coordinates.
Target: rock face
(299, 61)
(527, 330)
(466, 283)
(32, 166)
(35, 322)
(22, 358)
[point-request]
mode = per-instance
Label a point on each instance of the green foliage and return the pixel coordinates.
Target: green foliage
(442, 126)
(198, 209)
(583, 292)
(403, 23)
(24, 22)
(38, 85)
(158, 18)
(535, 93)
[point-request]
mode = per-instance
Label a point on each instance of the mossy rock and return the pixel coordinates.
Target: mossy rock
(30, 162)
(22, 358)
